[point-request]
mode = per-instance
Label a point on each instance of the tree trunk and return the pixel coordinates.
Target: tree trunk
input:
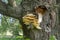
(58, 25)
(50, 19)
(48, 23)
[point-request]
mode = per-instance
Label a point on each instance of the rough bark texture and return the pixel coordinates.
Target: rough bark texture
(8, 10)
(48, 23)
(58, 25)
(49, 19)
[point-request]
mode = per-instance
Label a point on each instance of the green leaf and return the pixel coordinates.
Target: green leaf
(52, 37)
(19, 37)
(27, 39)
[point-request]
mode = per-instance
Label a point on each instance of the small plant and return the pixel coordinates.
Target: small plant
(52, 37)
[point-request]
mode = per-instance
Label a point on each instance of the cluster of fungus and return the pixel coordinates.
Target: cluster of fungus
(31, 19)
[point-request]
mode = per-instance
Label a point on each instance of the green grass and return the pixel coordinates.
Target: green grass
(10, 38)
(7, 38)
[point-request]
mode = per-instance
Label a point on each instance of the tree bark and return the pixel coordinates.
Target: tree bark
(57, 29)
(8, 10)
(49, 19)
